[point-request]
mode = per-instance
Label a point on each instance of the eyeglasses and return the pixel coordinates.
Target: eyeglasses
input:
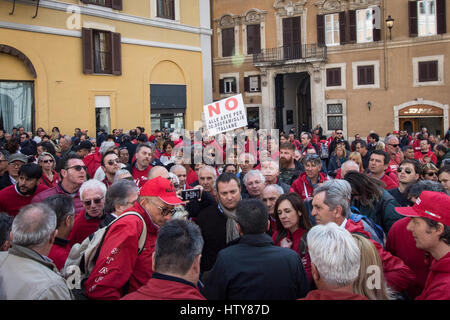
(394, 145)
(407, 170)
(111, 162)
(338, 132)
(164, 211)
(430, 174)
(78, 168)
(47, 161)
(88, 203)
(16, 165)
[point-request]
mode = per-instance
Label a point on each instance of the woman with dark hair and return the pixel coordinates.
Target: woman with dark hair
(167, 158)
(56, 135)
(371, 200)
(292, 225)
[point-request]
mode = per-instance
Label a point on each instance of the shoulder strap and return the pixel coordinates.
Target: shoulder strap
(143, 236)
(303, 244)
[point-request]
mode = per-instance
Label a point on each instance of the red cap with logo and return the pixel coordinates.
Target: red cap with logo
(162, 188)
(395, 132)
(430, 204)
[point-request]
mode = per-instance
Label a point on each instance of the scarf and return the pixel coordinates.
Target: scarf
(232, 232)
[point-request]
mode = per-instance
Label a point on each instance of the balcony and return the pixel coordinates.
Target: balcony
(305, 53)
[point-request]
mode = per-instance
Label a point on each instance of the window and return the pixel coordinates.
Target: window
(253, 38)
(252, 83)
(101, 52)
(428, 71)
(332, 36)
(16, 105)
(166, 9)
(334, 77)
(364, 25)
(102, 113)
(228, 42)
(229, 85)
(115, 4)
(335, 116)
(426, 18)
(168, 105)
(366, 75)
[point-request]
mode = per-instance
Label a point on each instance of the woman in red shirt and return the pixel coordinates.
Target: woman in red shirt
(49, 176)
(292, 223)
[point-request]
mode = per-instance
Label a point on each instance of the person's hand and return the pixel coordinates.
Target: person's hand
(201, 192)
(286, 243)
(178, 192)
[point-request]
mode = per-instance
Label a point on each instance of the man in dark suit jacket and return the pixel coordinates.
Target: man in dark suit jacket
(251, 267)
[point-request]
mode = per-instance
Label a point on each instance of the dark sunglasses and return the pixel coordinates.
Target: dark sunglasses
(111, 162)
(78, 168)
(407, 170)
(338, 132)
(395, 145)
(89, 202)
(430, 174)
(47, 161)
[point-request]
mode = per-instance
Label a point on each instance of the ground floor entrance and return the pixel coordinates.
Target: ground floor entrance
(16, 105)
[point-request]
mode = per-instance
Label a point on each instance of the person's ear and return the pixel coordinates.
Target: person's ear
(52, 238)
(440, 229)
(315, 273)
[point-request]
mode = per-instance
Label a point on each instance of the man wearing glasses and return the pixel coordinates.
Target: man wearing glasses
(339, 138)
(110, 165)
(394, 151)
(73, 174)
(425, 155)
(408, 173)
(120, 269)
(15, 161)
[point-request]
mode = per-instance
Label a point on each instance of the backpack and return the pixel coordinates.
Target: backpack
(83, 256)
(376, 232)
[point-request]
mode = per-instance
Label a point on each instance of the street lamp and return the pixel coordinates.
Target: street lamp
(390, 24)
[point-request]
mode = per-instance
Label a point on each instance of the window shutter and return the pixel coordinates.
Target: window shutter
(352, 26)
(342, 27)
(116, 50)
(321, 30)
(259, 83)
(116, 4)
(412, 11)
(221, 86)
(433, 70)
(227, 42)
(247, 84)
(253, 39)
(88, 51)
(440, 16)
(233, 86)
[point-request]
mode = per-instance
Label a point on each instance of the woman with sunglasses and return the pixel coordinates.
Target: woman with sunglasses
(430, 172)
(49, 176)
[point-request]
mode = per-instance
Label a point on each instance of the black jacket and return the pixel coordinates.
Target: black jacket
(5, 181)
(254, 269)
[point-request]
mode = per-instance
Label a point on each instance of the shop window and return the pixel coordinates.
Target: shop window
(168, 106)
(16, 105)
(102, 113)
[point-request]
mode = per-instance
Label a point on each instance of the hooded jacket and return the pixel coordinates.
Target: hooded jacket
(303, 187)
(437, 286)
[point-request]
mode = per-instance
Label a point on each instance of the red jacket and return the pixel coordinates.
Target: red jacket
(50, 183)
(11, 201)
(59, 252)
(59, 190)
(119, 262)
(164, 287)
(400, 242)
(302, 187)
(83, 227)
(93, 162)
(295, 238)
(419, 155)
(398, 275)
(191, 177)
(140, 176)
(437, 286)
(332, 295)
(390, 183)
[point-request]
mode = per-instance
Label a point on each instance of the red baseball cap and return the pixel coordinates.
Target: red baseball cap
(395, 132)
(430, 204)
(162, 188)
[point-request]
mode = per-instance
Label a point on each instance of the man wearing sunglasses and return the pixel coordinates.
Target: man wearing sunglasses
(425, 154)
(120, 269)
(408, 173)
(110, 165)
(73, 174)
(395, 152)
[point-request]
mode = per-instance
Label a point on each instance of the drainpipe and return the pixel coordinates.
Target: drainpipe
(386, 70)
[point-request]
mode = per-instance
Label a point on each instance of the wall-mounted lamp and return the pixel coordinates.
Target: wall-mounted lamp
(369, 105)
(390, 24)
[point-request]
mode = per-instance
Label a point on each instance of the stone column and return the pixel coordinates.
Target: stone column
(268, 99)
(318, 108)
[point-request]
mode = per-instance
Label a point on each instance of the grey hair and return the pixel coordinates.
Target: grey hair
(119, 173)
(177, 166)
(349, 164)
(389, 137)
(415, 189)
(67, 138)
(337, 193)
(118, 194)
(276, 187)
(254, 173)
(209, 168)
(335, 254)
(92, 184)
(106, 145)
(34, 225)
(47, 154)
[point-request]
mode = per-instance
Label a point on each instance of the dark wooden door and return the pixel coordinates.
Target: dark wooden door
(292, 42)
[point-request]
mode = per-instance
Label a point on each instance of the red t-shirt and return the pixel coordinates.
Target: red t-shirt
(11, 201)
(140, 176)
(82, 228)
(59, 252)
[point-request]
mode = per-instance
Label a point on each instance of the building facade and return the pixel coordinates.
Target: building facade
(104, 64)
(335, 63)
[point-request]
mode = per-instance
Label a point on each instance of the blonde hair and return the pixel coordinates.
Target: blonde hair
(370, 258)
(356, 156)
(380, 145)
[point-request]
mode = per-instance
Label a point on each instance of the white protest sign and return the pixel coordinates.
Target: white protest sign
(225, 115)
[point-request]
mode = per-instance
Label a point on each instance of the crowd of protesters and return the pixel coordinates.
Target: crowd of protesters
(278, 217)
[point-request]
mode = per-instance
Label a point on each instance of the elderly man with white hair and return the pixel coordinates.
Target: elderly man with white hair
(207, 177)
(270, 195)
(271, 170)
(92, 194)
(335, 262)
(254, 182)
(25, 271)
(348, 166)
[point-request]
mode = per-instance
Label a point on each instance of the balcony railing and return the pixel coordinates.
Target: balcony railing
(287, 53)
